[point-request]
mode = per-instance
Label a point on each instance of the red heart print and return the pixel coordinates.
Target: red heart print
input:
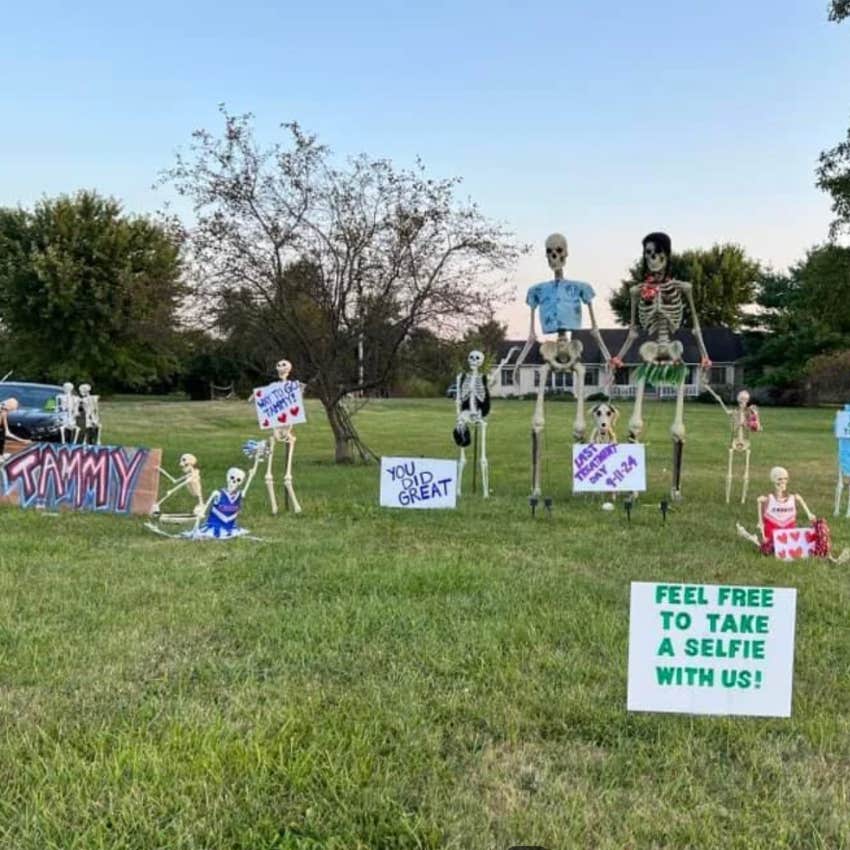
(794, 535)
(294, 410)
(796, 553)
(266, 423)
(281, 417)
(259, 393)
(782, 538)
(811, 536)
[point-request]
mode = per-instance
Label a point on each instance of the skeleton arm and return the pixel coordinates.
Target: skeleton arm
(213, 500)
(167, 474)
(804, 506)
(760, 503)
(179, 484)
(594, 329)
(632, 335)
(458, 387)
(532, 338)
(688, 289)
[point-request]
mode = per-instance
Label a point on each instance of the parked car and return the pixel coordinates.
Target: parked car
(36, 417)
(451, 390)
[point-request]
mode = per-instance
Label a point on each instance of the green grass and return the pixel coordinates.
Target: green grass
(400, 679)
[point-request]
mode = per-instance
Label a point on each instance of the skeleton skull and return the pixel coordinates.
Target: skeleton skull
(743, 398)
(85, 389)
(9, 405)
(67, 387)
(284, 367)
(656, 254)
(188, 462)
(779, 479)
(556, 252)
(475, 360)
(235, 478)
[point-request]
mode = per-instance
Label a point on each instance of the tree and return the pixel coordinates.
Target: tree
(333, 266)
(87, 292)
(723, 278)
(804, 313)
(839, 10)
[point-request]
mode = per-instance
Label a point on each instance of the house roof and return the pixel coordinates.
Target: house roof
(723, 345)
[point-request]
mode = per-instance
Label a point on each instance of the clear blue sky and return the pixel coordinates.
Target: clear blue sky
(601, 120)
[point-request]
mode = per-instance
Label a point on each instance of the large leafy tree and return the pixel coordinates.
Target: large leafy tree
(88, 292)
(723, 278)
(839, 10)
(332, 265)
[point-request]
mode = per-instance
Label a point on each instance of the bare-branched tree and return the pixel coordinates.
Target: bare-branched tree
(332, 266)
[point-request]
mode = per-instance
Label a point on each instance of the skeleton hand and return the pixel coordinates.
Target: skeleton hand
(615, 363)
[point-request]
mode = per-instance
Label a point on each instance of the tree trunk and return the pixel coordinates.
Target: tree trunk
(346, 439)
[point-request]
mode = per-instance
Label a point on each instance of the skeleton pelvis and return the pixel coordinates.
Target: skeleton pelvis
(561, 353)
(662, 352)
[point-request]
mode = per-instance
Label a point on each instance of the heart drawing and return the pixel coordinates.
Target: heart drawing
(794, 535)
(796, 553)
(281, 417)
(266, 423)
(782, 538)
(294, 410)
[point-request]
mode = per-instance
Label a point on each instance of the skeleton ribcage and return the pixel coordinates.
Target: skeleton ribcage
(474, 386)
(662, 316)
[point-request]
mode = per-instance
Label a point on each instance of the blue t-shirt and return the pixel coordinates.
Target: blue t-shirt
(559, 303)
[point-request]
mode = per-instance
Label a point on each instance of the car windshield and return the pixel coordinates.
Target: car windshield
(40, 398)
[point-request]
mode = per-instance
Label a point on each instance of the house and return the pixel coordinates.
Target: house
(725, 349)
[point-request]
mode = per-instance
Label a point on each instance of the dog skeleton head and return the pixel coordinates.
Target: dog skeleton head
(556, 252)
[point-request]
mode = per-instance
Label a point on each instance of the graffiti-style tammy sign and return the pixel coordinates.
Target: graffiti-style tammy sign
(110, 479)
(609, 467)
(421, 482)
(280, 404)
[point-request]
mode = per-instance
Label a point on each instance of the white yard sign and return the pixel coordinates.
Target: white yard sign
(609, 467)
(279, 404)
(417, 482)
(711, 649)
(842, 423)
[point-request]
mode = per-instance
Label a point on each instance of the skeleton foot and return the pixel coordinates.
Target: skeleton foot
(635, 429)
(742, 532)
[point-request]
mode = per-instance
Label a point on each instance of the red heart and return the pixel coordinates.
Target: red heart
(811, 536)
(796, 553)
(782, 538)
(294, 410)
(794, 535)
(781, 553)
(281, 417)
(266, 423)
(259, 393)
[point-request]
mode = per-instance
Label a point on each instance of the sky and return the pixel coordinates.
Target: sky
(602, 121)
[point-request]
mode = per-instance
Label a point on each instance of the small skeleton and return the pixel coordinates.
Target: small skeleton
(7, 406)
(472, 402)
(560, 303)
(265, 448)
(658, 305)
(743, 419)
(90, 415)
(843, 463)
(776, 512)
(67, 406)
(190, 480)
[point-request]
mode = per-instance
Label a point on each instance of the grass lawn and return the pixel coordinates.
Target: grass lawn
(397, 679)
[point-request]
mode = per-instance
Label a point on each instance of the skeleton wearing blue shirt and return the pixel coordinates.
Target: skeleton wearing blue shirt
(559, 303)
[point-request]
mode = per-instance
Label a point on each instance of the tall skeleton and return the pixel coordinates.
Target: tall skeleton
(472, 403)
(743, 419)
(658, 305)
(559, 302)
(260, 449)
(90, 415)
(67, 406)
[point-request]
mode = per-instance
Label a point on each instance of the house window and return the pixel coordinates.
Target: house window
(507, 377)
(536, 378)
(622, 377)
(591, 376)
(718, 375)
(562, 380)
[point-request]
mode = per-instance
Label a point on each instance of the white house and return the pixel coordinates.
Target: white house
(725, 349)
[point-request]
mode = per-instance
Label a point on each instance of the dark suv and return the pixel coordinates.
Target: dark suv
(36, 417)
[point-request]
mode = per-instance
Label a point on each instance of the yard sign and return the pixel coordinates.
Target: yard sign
(280, 404)
(418, 482)
(609, 467)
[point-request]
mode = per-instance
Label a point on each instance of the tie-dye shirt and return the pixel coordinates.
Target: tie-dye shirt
(559, 303)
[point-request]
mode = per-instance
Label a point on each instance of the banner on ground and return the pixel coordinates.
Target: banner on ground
(609, 467)
(711, 649)
(418, 482)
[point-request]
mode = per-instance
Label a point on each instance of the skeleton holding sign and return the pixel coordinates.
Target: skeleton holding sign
(472, 402)
(559, 302)
(658, 306)
(279, 407)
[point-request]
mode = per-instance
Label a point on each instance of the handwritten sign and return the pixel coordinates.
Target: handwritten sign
(609, 467)
(408, 482)
(842, 423)
(792, 544)
(711, 649)
(108, 479)
(279, 404)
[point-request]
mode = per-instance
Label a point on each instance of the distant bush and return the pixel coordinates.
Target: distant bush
(420, 388)
(829, 377)
(598, 397)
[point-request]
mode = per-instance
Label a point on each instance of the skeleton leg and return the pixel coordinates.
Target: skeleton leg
(677, 431)
(287, 478)
(746, 476)
(729, 476)
(579, 427)
(269, 477)
(636, 422)
(537, 423)
(485, 468)
(460, 466)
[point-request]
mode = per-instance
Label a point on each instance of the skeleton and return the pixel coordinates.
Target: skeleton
(563, 313)
(742, 419)
(7, 406)
(658, 305)
(67, 406)
(90, 410)
(222, 509)
(265, 449)
(472, 402)
(776, 512)
(843, 465)
(190, 480)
